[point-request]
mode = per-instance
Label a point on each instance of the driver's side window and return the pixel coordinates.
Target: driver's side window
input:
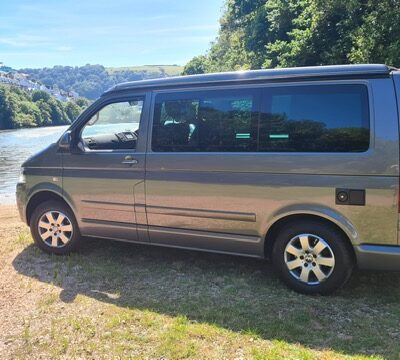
(113, 127)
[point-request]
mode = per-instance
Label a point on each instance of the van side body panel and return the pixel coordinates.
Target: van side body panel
(238, 196)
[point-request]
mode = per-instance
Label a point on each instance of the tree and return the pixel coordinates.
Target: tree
(57, 113)
(7, 113)
(72, 110)
(280, 33)
(31, 109)
(378, 37)
(198, 65)
(40, 95)
(45, 113)
(19, 108)
(82, 102)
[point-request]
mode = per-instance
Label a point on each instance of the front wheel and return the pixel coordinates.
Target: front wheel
(312, 257)
(54, 228)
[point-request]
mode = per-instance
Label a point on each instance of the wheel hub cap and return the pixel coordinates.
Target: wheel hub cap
(309, 259)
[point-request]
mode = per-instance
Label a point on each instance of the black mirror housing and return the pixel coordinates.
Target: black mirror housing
(65, 141)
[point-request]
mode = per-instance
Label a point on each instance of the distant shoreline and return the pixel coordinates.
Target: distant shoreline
(33, 127)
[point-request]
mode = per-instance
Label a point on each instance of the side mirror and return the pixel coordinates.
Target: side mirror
(65, 142)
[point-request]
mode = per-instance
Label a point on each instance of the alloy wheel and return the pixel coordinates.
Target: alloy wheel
(55, 229)
(309, 259)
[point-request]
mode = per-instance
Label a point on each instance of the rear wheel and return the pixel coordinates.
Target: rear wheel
(54, 228)
(312, 257)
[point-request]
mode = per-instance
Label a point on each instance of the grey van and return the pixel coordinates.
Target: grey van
(300, 166)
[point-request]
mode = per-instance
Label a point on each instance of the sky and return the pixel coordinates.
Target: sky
(44, 33)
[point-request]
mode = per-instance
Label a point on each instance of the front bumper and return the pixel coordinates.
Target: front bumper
(21, 201)
(378, 257)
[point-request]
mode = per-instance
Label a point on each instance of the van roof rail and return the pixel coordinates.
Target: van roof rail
(267, 75)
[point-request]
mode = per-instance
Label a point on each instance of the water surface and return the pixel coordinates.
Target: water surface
(15, 147)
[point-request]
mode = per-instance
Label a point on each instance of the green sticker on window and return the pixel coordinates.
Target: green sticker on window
(243, 136)
(279, 136)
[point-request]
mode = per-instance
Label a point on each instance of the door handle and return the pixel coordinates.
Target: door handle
(129, 160)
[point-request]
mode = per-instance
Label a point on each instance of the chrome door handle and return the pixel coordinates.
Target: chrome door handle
(129, 160)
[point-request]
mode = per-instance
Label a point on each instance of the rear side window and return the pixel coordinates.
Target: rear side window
(316, 118)
(212, 121)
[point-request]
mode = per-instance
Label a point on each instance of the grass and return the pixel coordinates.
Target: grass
(170, 70)
(115, 300)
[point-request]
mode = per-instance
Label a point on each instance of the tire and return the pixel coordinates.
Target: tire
(54, 228)
(322, 267)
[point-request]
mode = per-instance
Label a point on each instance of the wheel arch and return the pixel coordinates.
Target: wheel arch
(298, 217)
(41, 196)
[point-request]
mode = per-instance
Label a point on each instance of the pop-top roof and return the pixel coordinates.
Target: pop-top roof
(370, 70)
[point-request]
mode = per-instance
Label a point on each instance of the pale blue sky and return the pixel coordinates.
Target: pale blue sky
(109, 32)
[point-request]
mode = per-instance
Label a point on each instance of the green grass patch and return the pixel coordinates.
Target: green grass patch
(115, 300)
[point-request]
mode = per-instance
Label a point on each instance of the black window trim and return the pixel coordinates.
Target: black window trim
(263, 85)
(100, 104)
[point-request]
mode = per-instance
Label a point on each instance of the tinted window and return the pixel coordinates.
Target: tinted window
(206, 121)
(332, 118)
(314, 118)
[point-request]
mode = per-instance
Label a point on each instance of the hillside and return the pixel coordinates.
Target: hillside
(90, 81)
(20, 108)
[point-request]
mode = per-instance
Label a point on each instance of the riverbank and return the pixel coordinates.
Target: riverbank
(116, 300)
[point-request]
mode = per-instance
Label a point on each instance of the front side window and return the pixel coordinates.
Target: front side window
(114, 127)
(315, 118)
(214, 121)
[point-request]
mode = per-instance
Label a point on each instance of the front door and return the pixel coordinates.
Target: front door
(105, 178)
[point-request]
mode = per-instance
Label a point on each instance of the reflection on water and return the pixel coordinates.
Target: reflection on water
(15, 147)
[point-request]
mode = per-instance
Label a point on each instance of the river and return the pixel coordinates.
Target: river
(15, 147)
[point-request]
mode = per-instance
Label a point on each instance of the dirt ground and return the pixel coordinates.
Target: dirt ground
(11, 299)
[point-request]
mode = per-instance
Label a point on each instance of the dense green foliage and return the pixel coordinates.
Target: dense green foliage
(19, 108)
(280, 33)
(91, 80)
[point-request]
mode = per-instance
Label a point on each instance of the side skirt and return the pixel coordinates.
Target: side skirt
(179, 247)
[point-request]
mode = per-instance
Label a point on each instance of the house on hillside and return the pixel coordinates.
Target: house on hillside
(44, 88)
(73, 94)
(13, 77)
(61, 97)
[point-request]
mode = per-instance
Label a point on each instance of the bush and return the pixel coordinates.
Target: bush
(40, 95)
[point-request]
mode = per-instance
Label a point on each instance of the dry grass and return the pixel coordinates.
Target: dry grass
(114, 300)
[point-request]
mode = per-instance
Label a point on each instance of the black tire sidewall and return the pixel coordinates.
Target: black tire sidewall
(341, 249)
(54, 206)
